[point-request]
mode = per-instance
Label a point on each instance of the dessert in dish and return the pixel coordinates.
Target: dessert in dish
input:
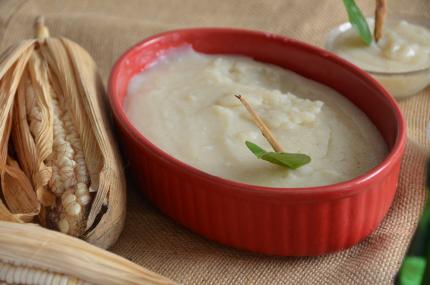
(184, 104)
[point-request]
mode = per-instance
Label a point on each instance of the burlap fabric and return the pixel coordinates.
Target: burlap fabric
(107, 28)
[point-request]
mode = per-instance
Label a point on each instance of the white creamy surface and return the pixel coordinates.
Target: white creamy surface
(403, 47)
(184, 104)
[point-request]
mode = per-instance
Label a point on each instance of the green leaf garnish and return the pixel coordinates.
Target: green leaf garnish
(358, 21)
(289, 160)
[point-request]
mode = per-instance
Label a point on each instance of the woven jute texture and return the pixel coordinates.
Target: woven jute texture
(107, 28)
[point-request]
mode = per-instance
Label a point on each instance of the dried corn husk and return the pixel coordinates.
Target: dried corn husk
(58, 162)
(30, 254)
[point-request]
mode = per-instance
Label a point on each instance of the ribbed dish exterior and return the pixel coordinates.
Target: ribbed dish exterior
(269, 224)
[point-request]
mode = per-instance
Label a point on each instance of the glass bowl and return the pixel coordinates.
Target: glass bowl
(400, 84)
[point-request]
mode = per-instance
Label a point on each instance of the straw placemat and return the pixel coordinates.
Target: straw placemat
(107, 28)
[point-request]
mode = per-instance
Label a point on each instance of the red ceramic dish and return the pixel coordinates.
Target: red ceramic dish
(275, 221)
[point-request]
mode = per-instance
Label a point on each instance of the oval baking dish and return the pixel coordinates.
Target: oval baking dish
(275, 221)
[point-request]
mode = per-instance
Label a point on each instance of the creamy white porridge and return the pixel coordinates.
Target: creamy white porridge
(184, 104)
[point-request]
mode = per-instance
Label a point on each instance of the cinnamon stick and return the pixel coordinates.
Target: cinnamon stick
(380, 13)
(277, 147)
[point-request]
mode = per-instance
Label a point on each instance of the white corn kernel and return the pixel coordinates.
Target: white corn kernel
(73, 209)
(69, 182)
(68, 198)
(81, 189)
(30, 276)
(63, 226)
(44, 277)
(21, 278)
(64, 280)
(65, 162)
(85, 199)
(83, 179)
(59, 140)
(49, 278)
(17, 274)
(9, 275)
(68, 177)
(56, 280)
(37, 277)
(58, 186)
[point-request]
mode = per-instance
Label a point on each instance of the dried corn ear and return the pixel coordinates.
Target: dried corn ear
(58, 162)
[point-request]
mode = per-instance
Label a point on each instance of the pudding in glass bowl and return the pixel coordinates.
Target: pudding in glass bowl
(400, 60)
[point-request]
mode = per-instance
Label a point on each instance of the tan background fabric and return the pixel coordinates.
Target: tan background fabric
(106, 28)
